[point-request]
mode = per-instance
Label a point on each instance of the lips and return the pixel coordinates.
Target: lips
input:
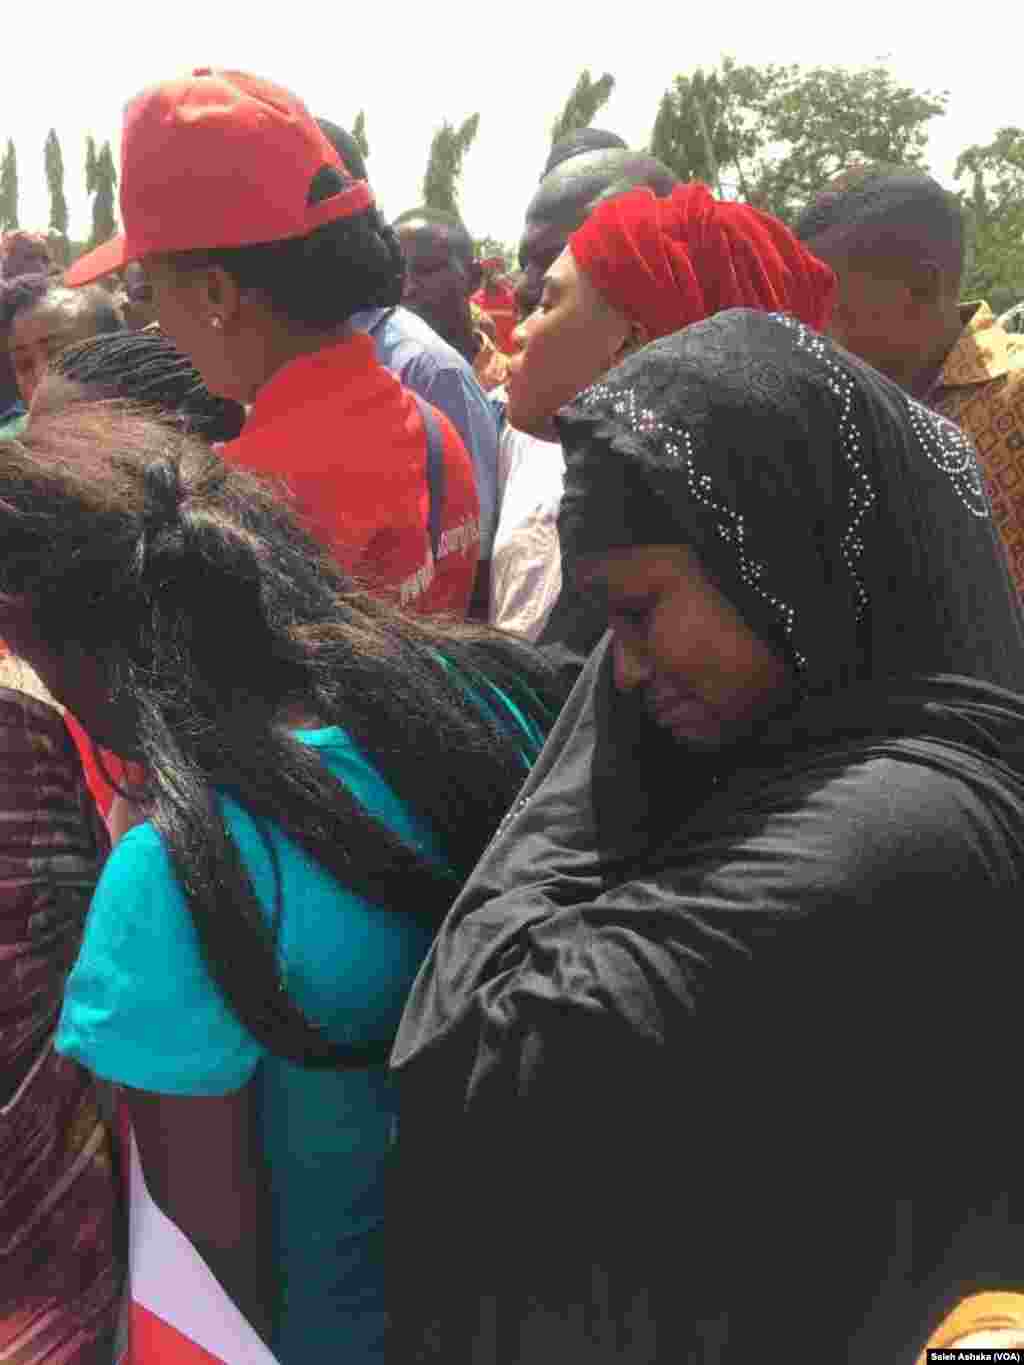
(685, 715)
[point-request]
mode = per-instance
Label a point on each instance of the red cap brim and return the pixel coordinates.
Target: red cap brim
(111, 256)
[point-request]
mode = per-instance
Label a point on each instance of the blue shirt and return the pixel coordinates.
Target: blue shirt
(425, 363)
(141, 1009)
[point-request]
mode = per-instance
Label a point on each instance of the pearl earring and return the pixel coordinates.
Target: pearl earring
(216, 322)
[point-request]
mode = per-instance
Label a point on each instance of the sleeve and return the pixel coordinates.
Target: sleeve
(463, 402)
(140, 1007)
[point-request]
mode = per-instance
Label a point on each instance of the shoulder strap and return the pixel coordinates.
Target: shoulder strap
(385, 314)
(435, 470)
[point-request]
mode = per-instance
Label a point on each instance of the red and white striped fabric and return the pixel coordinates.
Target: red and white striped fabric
(178, 1313)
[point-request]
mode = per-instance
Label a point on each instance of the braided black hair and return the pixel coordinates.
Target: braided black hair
(211, 610)
(147, 368)
(320, 281)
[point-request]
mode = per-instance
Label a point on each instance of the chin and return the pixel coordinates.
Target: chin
(533, 424)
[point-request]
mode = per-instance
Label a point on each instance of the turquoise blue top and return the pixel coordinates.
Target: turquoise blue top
(141, 1009)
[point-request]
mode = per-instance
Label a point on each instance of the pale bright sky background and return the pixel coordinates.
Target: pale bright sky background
(409, 67)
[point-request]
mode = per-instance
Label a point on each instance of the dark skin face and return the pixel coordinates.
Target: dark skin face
(900, 316)
(438, 282)
(700, 671)
(543, 241)
(568, 342)
(564, 200)
(42, 332)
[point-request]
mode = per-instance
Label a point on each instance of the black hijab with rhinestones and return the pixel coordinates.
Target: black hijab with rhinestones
(847, 523)
(687, 1072)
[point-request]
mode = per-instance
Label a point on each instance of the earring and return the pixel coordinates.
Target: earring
(216, 322)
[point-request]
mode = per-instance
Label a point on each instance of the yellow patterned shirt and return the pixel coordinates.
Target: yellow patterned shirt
(981, 388)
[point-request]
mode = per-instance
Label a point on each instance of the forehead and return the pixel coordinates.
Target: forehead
(543, 240)
(861, 271)
(637, 568)
(424, 238)
(51, 316)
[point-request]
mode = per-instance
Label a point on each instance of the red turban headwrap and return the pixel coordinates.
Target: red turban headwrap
(668, 262)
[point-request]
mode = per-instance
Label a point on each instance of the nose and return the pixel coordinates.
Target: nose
(633, 666)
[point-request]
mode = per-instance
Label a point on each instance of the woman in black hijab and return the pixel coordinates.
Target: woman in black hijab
(709, 1058)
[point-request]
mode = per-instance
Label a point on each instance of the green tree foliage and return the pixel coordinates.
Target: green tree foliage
(90, 165)
(488, 248)
(588, 96)
(359, 133)
(774, 135)
(444, 168)
(995, 210)
(102, 184)
(707, 126)
(9, 188)
(55, 180)
(829, 119)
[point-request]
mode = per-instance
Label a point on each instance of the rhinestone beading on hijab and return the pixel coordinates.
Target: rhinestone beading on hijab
(847, 523)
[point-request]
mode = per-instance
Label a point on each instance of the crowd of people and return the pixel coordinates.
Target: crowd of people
(514, 788)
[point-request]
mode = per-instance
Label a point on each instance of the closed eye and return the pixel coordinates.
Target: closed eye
(633, 615)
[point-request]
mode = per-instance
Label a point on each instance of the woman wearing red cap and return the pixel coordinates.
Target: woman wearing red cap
(260, 247)
(639, 268)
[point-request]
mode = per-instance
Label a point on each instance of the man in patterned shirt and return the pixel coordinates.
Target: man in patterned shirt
(894, 237)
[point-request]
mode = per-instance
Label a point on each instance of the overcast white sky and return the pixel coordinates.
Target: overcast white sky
(409, 67)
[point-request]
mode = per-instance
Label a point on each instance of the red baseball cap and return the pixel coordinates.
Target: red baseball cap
(217, 159)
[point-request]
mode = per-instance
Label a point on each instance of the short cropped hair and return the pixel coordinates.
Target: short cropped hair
(880, 208)
(458, 234)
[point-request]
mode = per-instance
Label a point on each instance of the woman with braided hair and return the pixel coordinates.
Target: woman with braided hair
(322, 771)
(147, 369)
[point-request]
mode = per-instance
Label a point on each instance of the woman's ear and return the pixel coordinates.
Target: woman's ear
(637, 336)
(221, 297)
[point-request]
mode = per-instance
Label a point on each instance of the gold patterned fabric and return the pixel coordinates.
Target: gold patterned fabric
(981, 388)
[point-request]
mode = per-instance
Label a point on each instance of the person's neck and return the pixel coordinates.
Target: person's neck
(284, 346)
(923, 370)
(465, 339)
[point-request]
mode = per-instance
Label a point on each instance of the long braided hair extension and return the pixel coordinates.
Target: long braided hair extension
(210, 611)
(147, 369)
